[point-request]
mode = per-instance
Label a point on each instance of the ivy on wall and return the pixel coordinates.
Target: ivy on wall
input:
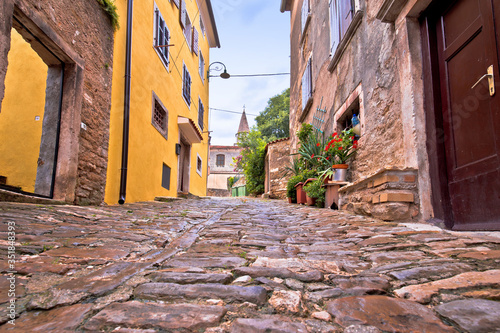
(110, 8)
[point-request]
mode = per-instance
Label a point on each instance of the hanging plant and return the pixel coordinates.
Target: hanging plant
(110, 8)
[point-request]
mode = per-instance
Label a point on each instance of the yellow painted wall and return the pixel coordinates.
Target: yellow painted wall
(148, 149)
(20, 133)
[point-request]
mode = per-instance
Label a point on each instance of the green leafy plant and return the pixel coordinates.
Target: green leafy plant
(110, 8)
(316, 190)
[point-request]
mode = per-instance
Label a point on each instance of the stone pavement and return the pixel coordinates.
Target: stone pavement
(240, 265)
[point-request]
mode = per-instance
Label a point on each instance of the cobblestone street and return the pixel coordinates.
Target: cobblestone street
(241, 265)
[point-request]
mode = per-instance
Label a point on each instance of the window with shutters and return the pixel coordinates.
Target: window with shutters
(186, 84)
(201, 113)
(159, 117)
(195, 44)
(187, 28)
(161, 38)
(307, 86)
(220, 160)
(344, 19)
(201, 67)
(305, 14)
(176, 2)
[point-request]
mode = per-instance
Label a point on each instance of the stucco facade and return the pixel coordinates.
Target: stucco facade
(173, 160)
(221, 168)
(370, 62)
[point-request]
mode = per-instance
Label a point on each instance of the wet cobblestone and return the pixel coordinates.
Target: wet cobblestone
(241, 265)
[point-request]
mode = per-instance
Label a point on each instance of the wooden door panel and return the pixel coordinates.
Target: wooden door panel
(467, 46)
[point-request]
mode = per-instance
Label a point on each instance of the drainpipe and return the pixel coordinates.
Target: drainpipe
(126, 107)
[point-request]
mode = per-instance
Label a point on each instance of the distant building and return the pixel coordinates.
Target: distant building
(221, 163)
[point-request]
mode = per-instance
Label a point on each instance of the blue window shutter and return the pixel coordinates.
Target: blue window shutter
(183, 12)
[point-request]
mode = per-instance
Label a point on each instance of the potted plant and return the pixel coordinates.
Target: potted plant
(338, 150)
(291, 192)
(316, 192)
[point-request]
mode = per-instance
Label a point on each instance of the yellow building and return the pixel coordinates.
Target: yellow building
(158, 142)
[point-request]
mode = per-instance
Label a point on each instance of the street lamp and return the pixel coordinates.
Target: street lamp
(219, 66)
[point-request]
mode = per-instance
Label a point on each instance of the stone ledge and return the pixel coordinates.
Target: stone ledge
(389, 194)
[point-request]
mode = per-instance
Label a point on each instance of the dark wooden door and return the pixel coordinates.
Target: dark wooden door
(467, 46)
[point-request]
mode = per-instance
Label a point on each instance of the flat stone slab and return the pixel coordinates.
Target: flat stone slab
(384, 257)
(473, 315)
(105, 279)
(173, 291)
(137, 315)
(93, 253)
(430, 272)
(278, 325)
(283, 273)
(220, 262)
(385, 313)
(64, 319)
(190, 278)
(423, 293)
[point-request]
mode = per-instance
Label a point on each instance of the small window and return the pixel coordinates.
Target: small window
(220, 160)
(159, 117)
(199, 164)
(186, 85)
(201, 113)
(165, 177)
(162, 38)
(345, 120)
(307, 85)
(201, 67)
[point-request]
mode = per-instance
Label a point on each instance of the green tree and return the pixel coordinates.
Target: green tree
(273, 122)
(252, 160)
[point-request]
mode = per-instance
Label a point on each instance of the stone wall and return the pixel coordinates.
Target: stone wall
(81, 33)
(277, 159)
(390, 194)
(211, 192)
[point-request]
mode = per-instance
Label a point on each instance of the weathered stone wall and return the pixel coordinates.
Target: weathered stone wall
(277, 159)
(212, 192)
(369, 60)
(390, 194)
(85, 30)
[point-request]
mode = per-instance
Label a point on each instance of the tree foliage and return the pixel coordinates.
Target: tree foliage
(273, 122)
(252, 160)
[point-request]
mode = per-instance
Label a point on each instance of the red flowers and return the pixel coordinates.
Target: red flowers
(317, 145)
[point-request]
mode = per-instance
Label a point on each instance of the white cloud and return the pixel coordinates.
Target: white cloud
(254, 38)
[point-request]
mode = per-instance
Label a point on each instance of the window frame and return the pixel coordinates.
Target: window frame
(199, 165)
(342, 30)
(201, 114)
(307, 78)
(201, 67)
(188, 32)
(217, 158)
(162, 129)
(162, 52)
(186, 84)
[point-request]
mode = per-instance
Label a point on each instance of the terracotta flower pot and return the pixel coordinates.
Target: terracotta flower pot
(310, 201)
(291, 201)
(301, 194)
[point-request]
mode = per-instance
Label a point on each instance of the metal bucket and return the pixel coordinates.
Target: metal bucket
(340, 175)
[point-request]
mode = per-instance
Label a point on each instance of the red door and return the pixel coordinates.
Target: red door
(467, 47)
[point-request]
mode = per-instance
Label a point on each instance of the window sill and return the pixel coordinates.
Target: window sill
(165, 63)
(306, 109)
(390, 10)
(356, 21)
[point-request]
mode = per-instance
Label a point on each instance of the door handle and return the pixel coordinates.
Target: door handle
(491, 80)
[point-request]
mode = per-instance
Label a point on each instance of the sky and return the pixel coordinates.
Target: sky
(255, 39)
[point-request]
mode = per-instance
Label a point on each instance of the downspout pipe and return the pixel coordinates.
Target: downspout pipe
(126, 105)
